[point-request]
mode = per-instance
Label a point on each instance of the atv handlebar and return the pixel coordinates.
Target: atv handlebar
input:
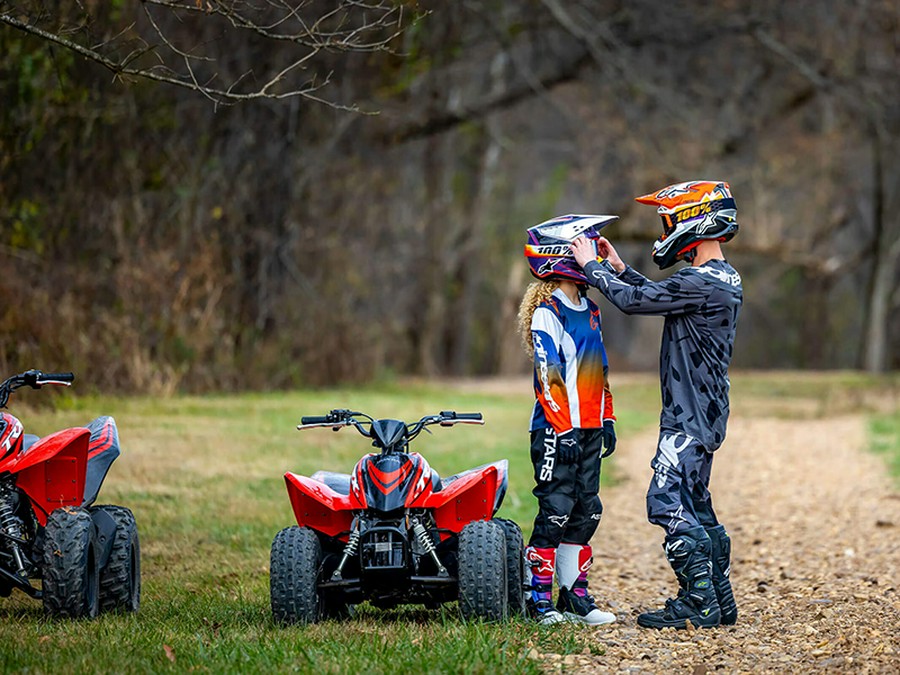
(338, 417)
(343, 417)
(307, 420)
(450, 418)
(64, 379)
(34, 379)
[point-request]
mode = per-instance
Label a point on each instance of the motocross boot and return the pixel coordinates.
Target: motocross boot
(572, 564)
(690, 555)
(721, 565)
(541, 562)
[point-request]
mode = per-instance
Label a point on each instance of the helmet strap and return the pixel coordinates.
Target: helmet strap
(689, 252)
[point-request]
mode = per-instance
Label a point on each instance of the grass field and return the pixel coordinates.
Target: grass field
(885, 433)
(203, 476)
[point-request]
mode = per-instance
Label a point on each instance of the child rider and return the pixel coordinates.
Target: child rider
(572, 421)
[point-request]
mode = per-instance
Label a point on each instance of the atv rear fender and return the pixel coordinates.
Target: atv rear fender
(473, 495)
(52, 472)
(319, 507)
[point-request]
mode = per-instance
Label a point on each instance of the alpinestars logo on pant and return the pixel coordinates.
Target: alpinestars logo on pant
(549, 456)
(675, 518)
(667, 457)
(559, 521)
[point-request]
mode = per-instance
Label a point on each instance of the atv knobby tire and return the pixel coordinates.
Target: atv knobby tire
(293, 576)
(71, 579)
(515, 566)
(482, 571)
(120, 580)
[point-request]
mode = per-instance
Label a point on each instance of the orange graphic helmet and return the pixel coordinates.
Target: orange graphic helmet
(691, 212)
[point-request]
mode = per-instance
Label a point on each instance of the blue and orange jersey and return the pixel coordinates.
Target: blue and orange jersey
(570, 366)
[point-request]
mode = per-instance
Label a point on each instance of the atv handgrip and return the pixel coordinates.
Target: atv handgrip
(316, 419)
(470, 416)
(57, 377)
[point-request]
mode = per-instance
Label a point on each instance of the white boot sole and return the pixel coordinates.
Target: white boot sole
(594, 618)
(551, 618)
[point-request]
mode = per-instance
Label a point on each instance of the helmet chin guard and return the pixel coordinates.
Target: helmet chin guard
(547, 247)
(691, 212)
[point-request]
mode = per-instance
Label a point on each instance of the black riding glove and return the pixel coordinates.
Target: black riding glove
(608, 434)
(567, 449)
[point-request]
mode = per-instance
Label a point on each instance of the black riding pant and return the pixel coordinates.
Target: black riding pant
(678, 498)
(569, 505)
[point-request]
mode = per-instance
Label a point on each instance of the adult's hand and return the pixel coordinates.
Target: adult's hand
(606, 250)
(583, 250)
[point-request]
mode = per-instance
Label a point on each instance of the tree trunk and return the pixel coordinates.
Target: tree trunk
(885, 258)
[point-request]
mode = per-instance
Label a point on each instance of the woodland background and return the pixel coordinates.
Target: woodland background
(154, 240)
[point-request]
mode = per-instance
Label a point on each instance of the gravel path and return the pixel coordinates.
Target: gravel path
(815, 524)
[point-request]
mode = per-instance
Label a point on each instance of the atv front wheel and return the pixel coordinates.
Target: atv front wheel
(120, 580)
(293, 575)
(71, 579)
(515, 566)
(482, 571)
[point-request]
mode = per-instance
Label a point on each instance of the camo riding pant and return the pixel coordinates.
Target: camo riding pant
(678, 498)
(569, 505)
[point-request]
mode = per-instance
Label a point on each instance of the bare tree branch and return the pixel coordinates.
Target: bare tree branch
(169, 45)
(606, 49)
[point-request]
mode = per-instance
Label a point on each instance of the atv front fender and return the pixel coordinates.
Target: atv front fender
(52, 472)
(319, 507)
(472, 495)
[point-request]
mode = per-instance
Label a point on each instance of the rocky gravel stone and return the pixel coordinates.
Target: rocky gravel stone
(815, 565)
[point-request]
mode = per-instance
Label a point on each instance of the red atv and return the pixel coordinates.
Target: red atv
(394, 532)
(87, 557)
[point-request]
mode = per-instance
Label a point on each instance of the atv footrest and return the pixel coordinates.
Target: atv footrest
(340, 583)
(433, 580)
(22, 584)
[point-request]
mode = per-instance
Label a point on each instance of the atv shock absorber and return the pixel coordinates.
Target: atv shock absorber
(12, 527)
(349, 551)
(425, 541)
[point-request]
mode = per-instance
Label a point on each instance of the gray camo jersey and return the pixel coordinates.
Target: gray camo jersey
(701, 306)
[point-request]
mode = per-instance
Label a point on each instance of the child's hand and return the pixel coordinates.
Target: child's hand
(568, 451)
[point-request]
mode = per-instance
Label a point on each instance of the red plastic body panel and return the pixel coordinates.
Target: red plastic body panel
(469, 498)
(319, 507)
(52, 472)
(10, 440)
(422, 487)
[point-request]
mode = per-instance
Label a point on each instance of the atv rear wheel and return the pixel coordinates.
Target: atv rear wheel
(120, 580)
(482, 571)
(515, 566)
(293, 576)
(71, 578)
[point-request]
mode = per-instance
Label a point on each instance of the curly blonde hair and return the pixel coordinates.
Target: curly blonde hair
(536, 293)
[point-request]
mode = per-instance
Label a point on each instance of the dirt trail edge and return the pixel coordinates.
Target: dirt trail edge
(815, 524)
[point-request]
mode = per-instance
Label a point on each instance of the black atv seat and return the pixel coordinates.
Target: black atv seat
(28, 440)
(339, 482)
